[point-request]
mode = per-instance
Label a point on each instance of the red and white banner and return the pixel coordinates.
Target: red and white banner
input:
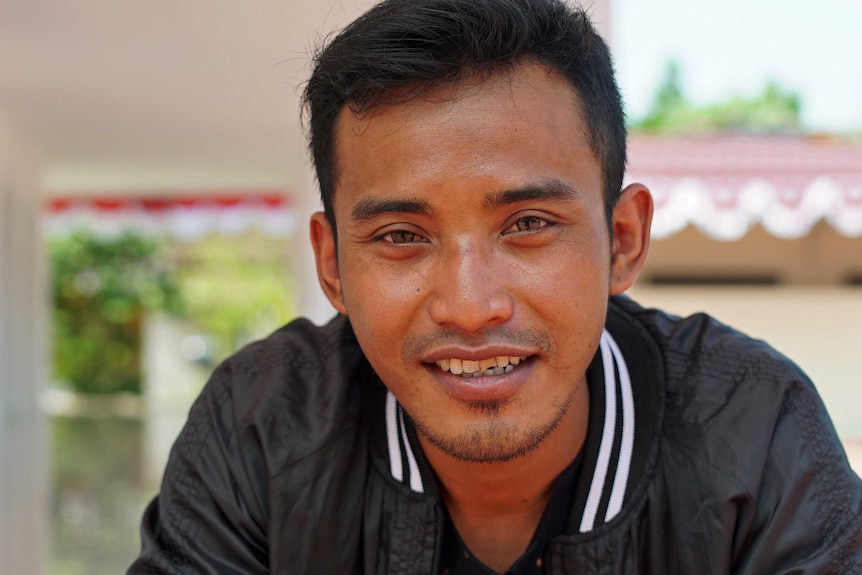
(184, 217)
(723, 185)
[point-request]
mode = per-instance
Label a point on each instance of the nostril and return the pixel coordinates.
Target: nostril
(471, 314)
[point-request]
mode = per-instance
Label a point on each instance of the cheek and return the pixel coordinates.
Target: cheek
(372, 283)
(573, 273)
(382, 301)
(569, 290)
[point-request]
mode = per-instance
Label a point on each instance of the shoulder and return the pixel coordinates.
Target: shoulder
(288, 394)
(265, 411)
(746, 442)
(727, 397)
(293, 362)
(701, 353)
(718, 379)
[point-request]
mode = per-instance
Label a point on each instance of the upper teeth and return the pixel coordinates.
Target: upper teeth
(470, 368)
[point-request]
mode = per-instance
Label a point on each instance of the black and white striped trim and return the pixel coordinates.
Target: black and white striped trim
(402, 461)
(608, 474)
(611, 473)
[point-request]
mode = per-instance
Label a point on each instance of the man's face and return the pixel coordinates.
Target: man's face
(472, 239)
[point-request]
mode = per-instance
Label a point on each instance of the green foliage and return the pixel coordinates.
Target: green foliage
(235, 289)
(669, 96)
(776, 109)
(100, 289)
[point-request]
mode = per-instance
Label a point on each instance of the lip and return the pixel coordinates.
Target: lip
(486, 387)
(476, 354)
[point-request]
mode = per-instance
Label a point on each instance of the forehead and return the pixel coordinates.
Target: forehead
(515, 125)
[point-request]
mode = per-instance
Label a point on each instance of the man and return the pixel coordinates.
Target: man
(486, 402)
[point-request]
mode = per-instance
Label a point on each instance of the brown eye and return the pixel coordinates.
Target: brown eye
(402, 237)
(529, 224)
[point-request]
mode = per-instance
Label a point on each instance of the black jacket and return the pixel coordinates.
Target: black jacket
(707, 452)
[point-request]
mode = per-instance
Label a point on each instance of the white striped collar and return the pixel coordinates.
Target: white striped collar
(622, 432)
(611, 472)
(402, 460)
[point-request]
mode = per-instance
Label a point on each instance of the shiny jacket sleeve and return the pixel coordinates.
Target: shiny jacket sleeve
(807, 517)
(209, 517)
(753, 478)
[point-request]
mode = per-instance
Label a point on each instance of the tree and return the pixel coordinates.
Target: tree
(235, 289)
(101, 288)
(776, 109)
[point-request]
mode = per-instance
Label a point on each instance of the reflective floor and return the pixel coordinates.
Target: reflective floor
(98, 491)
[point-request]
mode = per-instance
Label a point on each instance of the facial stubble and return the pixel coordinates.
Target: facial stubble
(493, 440)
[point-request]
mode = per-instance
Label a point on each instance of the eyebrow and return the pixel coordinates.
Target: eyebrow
(550, 189)
(370, 208)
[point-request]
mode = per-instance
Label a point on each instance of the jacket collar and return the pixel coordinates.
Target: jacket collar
(624, 382)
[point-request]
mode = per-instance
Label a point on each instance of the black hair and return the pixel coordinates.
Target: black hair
(408, 47)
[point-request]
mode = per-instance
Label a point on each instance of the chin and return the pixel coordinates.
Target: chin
(494, 438)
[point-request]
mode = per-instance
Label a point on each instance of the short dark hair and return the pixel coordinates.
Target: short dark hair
(421, 44)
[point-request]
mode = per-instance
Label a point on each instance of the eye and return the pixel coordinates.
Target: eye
(400, 237)
(527, 224)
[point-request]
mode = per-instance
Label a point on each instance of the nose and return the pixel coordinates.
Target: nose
(470, 292)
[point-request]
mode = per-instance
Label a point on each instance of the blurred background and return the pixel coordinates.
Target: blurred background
(154, 190)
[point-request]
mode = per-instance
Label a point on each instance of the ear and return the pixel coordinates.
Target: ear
(326, 258)
(631, 227)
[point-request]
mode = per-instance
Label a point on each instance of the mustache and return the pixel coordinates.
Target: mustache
(418, 345)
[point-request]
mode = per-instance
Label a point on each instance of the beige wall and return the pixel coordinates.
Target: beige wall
(823, 257)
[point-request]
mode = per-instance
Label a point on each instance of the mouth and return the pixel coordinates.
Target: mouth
(468, 368)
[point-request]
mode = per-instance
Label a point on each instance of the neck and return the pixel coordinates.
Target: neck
(496, 507)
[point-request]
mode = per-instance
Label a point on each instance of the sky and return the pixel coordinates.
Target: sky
(813, 47)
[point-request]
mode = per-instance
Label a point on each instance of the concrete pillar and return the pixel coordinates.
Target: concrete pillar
(312, 301)
(23, 308)
(171, 381)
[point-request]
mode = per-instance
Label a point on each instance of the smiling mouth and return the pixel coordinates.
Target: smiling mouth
(470, 368)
